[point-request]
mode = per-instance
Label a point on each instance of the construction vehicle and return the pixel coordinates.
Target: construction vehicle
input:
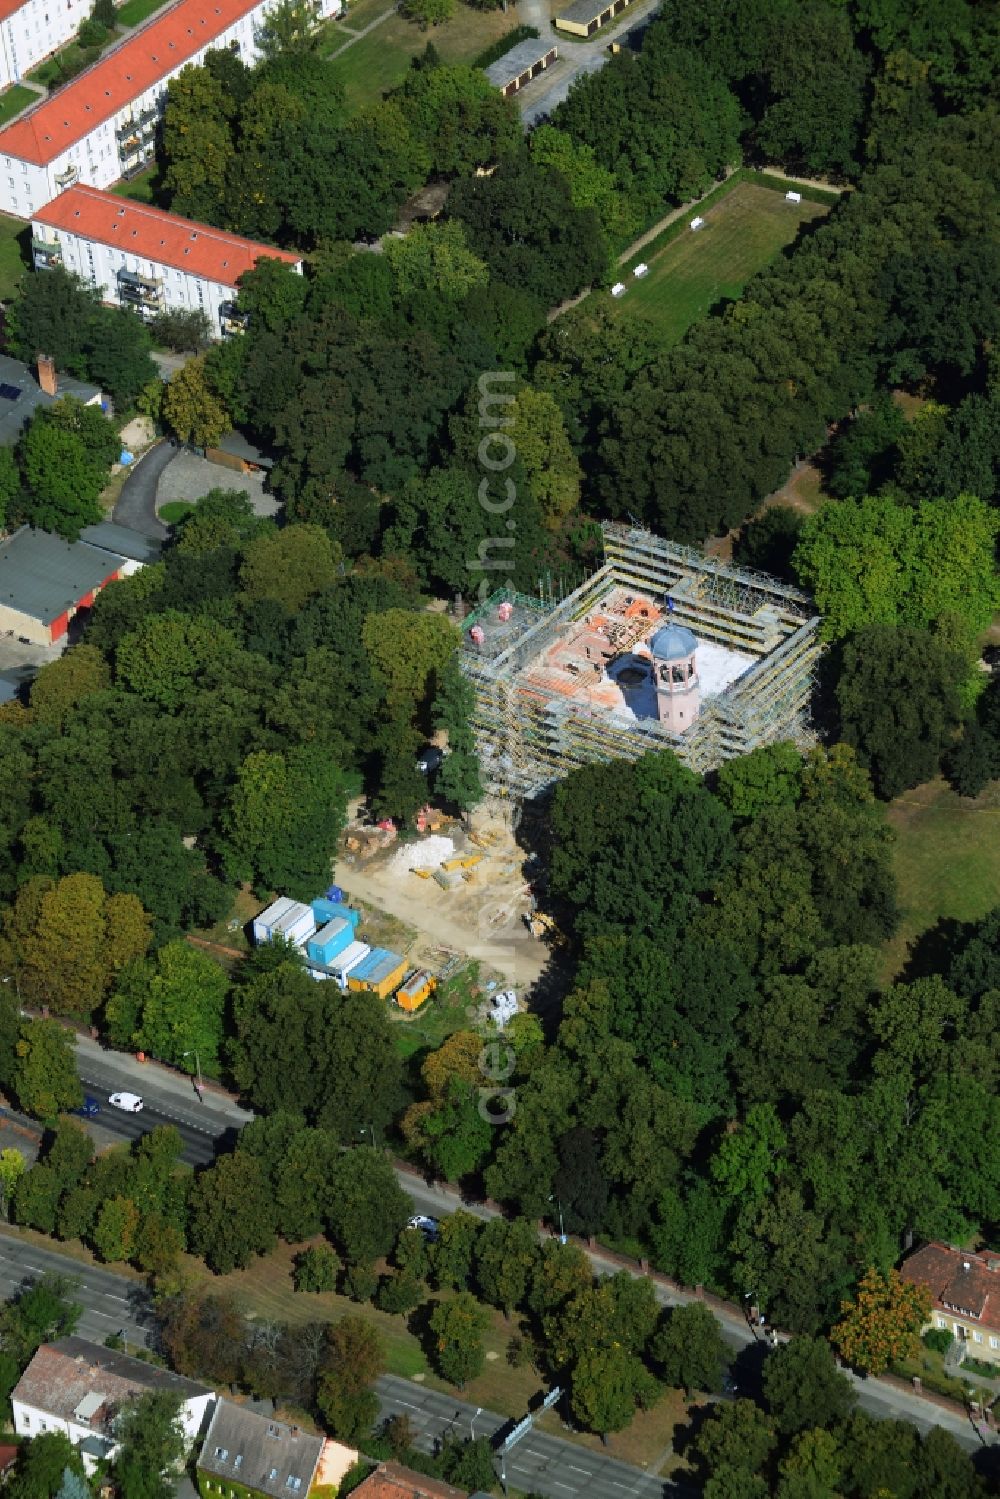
(540, 925)
(462, 861)
(423, 870)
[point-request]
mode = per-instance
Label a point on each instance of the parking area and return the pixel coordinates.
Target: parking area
(188, 476)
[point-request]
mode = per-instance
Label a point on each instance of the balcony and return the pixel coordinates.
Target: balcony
(44, 255)
(231, 320)
(68, 178)
(142, 292)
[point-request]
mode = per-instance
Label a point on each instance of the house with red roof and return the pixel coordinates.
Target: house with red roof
(31, 29)
(101, 126)
(143, 257)
(965, 1294)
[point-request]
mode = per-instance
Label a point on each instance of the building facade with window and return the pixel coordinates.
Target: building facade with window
(102, 126)
(244, 1452)
(31, 29)
(965, 1295)
(141, 257)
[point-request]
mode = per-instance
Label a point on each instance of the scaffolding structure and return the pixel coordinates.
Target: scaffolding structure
(527, 739)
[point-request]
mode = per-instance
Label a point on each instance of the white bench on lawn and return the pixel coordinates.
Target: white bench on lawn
(697, 223)
(619, 289)
(642, 269)
(793, 197)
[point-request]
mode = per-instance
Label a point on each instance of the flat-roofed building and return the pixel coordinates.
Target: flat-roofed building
(517, 67)
(31, 29)
(102, 125)
(584, 17)
(142, 257)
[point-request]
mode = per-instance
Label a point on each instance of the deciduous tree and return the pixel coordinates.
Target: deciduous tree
(881, 1325)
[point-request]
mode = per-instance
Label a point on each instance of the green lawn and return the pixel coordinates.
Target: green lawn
(380, 61)
(141, 188)
(14, 100)
(65, 64)
(947, 859)
(134, 11)
(745, 227)
(174, 511)
(15, 242)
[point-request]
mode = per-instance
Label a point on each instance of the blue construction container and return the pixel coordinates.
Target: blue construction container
(330, 940)
(324, 909)
(335, 894)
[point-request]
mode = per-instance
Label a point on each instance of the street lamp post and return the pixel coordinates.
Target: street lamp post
(472, 1423)
(369, 1129)
(562, 1231)
(199, 1086)
(751, 1320)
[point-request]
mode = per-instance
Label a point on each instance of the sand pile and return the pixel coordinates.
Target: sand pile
(424, 853)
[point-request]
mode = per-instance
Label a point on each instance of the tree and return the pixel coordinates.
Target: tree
(459, 1326)
(873, 561)
(458, 119)
(191, 408)
(232, 1216)
(61, 686)
(737, 1436)
(428, 12)
(272, 294)
(804, 1388)
(690, 1350)
(197, 143)
(354, 1358)
(812, 1467)
(115, 1231)
(12, 1168)
(51, 316)
(118, 356)
(75, 939)
(506, 1253)
(453, 1249)
(184, 330)
(767, 542)
(881, 1325)
(316, 1269)
(63, 480)
(284, 815)
(183, 995)
(289, 566)
(163, 658)
(152, 1443)
(72, 1486)
(289, 29)
(367, 1206)
(39, 1313)
(434, 260)
(43, 1463)
(608, 1383)
(766, 777)
(45, 1080)
(521, 221)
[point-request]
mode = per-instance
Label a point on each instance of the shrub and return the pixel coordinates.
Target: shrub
(316, 1269)
(360, 1282)
(92, 33)
(937, 1339)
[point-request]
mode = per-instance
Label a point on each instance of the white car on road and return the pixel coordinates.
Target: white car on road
(129, 1103)
(427, 1226)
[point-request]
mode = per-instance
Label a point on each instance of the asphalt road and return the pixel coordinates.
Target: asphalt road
(547, 1464)
(111, 1303)
(170, 1099)
(136, 507)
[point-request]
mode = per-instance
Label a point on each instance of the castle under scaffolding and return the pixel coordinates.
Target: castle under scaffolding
(562, 685)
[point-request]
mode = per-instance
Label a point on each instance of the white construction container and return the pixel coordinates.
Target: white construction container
(286, 918)
(345, 961)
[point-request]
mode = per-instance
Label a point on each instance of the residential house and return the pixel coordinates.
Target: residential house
(31, 29)
(142, 257)
(965, 1295)
(80, 1388)
(393, 1481)
(245, 1452)
(23, 391)
(45, 581)
(102, 125)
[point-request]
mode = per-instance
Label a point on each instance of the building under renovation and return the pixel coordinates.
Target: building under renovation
(661, 648)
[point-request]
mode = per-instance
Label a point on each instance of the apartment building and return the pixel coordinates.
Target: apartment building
(31, 29)
(139, 256)
(102, 126)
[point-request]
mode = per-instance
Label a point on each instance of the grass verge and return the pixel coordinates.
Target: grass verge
(947, 861)
(135, 11)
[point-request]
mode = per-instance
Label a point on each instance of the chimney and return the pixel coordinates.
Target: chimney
(47, 374)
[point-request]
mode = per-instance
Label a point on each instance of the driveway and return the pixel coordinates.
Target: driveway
(576, 58)
(190, 476)
(136, 507)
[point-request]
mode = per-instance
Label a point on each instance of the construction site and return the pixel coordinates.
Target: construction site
(661, 648)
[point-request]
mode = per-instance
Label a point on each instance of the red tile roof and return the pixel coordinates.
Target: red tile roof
(959, 1281)
(99, 93)
(391, 1481)
(155, 235)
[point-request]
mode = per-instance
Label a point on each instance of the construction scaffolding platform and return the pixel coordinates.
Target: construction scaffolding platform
(548, 698)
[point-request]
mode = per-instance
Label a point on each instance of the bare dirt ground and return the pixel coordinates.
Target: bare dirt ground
(482, 918)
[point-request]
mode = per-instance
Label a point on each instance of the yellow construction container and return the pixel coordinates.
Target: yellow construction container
(418, 987)
(380, 973)
(424, 872)
(463, 861)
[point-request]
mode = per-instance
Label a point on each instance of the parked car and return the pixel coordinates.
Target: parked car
(428, 1226)
(429, 759)
(89, 1109)
(129, 1103)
